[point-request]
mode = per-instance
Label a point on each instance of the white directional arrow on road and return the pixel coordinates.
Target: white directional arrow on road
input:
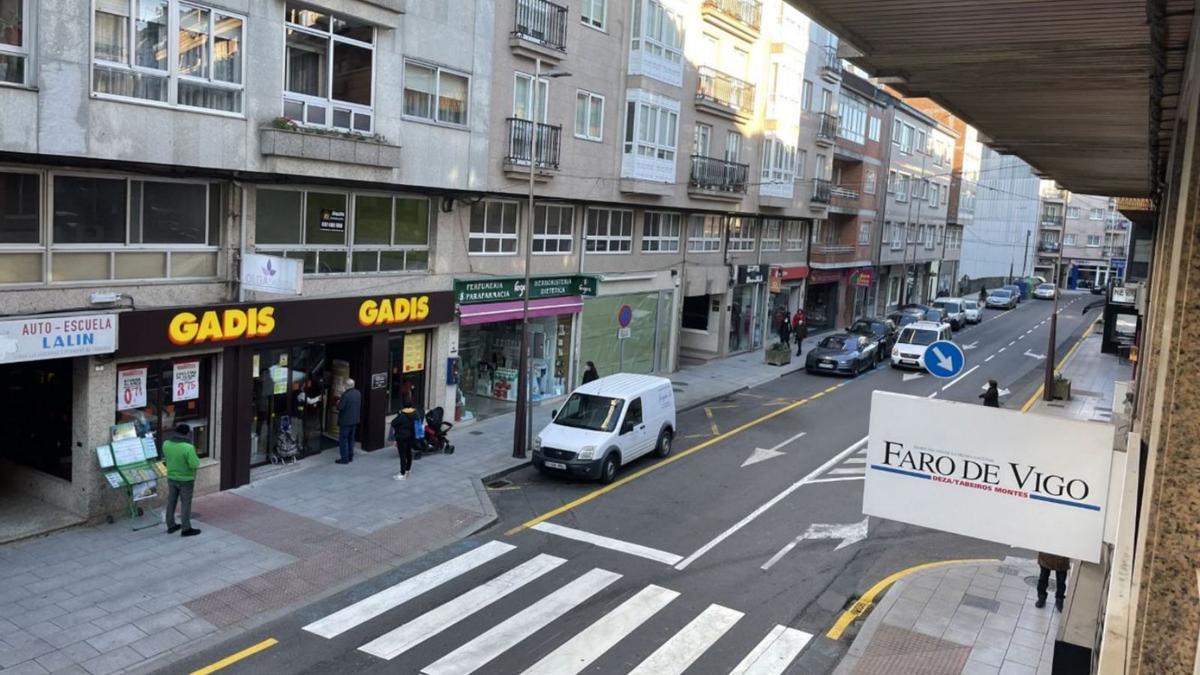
(1030, 354)
(849, 534)
(909, 377)
(1002, 392)
(763, 454)
(971, 346)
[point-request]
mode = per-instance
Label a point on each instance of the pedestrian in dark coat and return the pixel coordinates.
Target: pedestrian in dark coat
(991, 397)
(1060, 566)
(404, 431)
(590, 373)
(983, 296)
(785, 333)
(349, 410)
(799, 329)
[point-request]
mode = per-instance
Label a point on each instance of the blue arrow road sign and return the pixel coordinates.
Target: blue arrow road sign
(944, 359)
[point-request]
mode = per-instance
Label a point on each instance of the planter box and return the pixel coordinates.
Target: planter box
(328, 148)
(780, 356)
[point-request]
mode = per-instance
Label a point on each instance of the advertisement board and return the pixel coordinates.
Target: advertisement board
(1031, 481)
(185, 381)
(131, 388)
(37, 338)
(272, 274)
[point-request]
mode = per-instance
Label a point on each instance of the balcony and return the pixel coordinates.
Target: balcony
(724, 94)
(826, 130)
(1049, 220)
(740, 17)
(1113, 252)
(822, 192)
(714, 178)
(539, 30)
(1053, 192)
(521, 141)
(838, 255)
(831, 65)
(1047, 247)
(844, 199)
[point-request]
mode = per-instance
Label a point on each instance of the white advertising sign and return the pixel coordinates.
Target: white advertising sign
(272, 274)
(131, 388)
(54, 337)
(185, 381)
(1031, 481)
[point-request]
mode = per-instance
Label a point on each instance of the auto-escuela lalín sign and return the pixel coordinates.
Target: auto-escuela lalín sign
(507, 289)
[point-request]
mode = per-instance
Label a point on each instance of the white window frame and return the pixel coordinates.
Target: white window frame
(907, 131)
(794, 236)
(743, 233)
(1093, 240)
(870, 181)
(806, 95)
(588, 11)
(661, 231)
(920, 142)
(704, 233)
(1074, 212)
(650, 139)
(864, 232)
(772, 234)
(23, 51)
(733, 146)
(616, 242)
(903, 186)
(1069, 240)
(328, 101)
(500, 236)
(874, 128)
(893, 290)
(542, 88)
(1095, 214)
(172, 75)
(652, 54)
(563, 242)
(434, 117)
(778, 162)
(852, 119)
(588, 100)
(702, 139)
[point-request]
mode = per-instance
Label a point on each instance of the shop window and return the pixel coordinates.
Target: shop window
(493, 228)
(37, 400)
(435, 94)
(135, 56)
(704, 234)
(407, 357)
(695, 312)
(609, 231)
(14, 47)
(660, 232)
(553, 228)
(328, 70)
(162, 394)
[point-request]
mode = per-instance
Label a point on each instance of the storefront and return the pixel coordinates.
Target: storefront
(821, 299)
(281, 369)
(785, 288)
(490, 313)
(860, 283)
(627, 333)
(747, 308)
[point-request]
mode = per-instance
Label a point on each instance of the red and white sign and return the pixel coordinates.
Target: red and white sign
(185, 381)
(131, 388)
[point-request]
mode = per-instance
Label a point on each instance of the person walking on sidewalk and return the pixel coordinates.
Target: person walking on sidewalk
(1060, 566)
(785, 333)
(349, 409)
(982, 297)
(991, 397)
(181, 460)
(799, 329)
(408, 427)
(590, 373)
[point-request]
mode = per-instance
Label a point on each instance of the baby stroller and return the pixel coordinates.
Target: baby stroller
(436, 430)
(287, 446)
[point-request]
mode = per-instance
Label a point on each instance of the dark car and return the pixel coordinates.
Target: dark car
(845, 353)
(881, 330)
(1097, 289)
(926, 312)
(902, 319)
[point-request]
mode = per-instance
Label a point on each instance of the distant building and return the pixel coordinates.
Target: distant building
(1002, 242)
(1093, 236)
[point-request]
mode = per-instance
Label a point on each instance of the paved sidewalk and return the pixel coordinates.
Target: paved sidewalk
(104, 599)
(1092, 375)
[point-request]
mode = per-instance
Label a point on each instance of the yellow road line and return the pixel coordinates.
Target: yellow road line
(712, 423)
(653, 467)
(864, 603)
(1042, 387)
(234, 658)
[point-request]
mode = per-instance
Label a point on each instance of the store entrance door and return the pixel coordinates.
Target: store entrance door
(745, 329)
(821, 306)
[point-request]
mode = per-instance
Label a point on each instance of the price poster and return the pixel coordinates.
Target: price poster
(186, 381)
(414, 353)
(131, 389)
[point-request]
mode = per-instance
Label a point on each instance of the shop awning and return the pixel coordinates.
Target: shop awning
(470, 315)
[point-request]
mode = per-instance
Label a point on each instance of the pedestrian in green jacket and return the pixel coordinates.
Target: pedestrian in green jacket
(182, 462)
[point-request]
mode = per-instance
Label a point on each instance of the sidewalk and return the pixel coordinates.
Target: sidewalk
(979, 618)
(105, 599)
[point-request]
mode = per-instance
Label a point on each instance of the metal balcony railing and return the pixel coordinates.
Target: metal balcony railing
(711, 173)
(840, 192)
(746, 12)
(542, 22)
(1048, 247)
(830, 63)
(827, 127)
(520, 143)
(833, 249)
(1051, 220)
(822, 191)
(725, 90)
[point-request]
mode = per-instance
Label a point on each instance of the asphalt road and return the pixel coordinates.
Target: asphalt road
(701, 556)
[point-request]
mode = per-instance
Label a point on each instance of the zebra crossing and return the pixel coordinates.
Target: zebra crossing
(579, 593)
(853, 467)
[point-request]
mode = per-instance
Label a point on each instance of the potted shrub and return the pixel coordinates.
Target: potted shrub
(779, 354)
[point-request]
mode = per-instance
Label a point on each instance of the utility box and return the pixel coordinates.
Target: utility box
(1062, 389)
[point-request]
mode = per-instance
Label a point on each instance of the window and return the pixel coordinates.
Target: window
(874, 128)
(897, 131)
(660, 232)
(801, 158)
(893, 291)
(742, 233)
(695, 313)
(852, 119)
(921, 143)
(20, 208)
(328, 70)
(589, 115)
(593, 13)
(1093, 240)
(633, 416)
(869, 181)
(891, 186)
(104, 210)
(772, 234)
(1096, 214)
(733, 146)
(704, 234)
(523, 98)
(778, 162)
(651, 135)
(134, 55)
(902, 184)
(864, 233)
(493, 228)
(656, 42)
(818, 231)
(14, 46)
(906, 138)
(1069, 240)
(435, 94)
(806, 95)
(826, 101)
(933, 194)
(821, 167)
(553, 228)
(609, 231)
(793, 235)
(656, 129)
(702, 140)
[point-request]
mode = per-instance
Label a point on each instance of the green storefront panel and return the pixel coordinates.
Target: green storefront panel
(600, 328)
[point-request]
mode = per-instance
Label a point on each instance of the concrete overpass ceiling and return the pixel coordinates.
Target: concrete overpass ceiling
(1084, 90)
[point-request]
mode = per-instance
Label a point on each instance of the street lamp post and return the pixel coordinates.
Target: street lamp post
(1048, 383)
(523, 421)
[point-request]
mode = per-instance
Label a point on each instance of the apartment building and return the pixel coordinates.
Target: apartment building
(1092, 235)
(1002, 243)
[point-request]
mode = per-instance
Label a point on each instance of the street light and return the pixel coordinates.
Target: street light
(1048, 383)
(524, 416)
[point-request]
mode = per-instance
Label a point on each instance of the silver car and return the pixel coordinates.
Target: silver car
(1001, 298)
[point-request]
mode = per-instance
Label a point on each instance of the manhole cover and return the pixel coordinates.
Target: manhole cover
(498, 483)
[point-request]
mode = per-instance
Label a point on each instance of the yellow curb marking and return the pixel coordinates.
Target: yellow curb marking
(712, 423)
(234, 658)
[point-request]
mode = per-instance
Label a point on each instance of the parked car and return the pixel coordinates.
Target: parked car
(914, 339)
(953, 308)
(1098, 289)
(1044, 292)
(902, 319)
(605, 424)
(1001, 298)
(882, 330)
(972, 310)
(929, 312)
(1016, 291)
(844, 353)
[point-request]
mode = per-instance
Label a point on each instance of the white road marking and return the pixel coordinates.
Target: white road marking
(933, 395)
(989, 358)
(862, 476)
(591, 643)
(772, 502)
(508, 633)
(774, 653)
(413, 633)
(368, 608)
(1002, 349)
(846, 472)
(609, 543)
(682, 650)
(855, 460)
(956, 380)
(1012, 343)
(851, 533)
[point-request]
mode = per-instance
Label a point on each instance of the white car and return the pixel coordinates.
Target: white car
(914, 339)
(953, 308)
(973, 311)
(1044, 292)
(607, 423)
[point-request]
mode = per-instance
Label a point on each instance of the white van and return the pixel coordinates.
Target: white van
(607, 423)
(914, 339)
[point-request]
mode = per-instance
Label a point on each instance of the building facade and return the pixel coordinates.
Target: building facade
(1092, 235)
(1002, 245)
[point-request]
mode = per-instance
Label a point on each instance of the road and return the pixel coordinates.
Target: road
(703, 560)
